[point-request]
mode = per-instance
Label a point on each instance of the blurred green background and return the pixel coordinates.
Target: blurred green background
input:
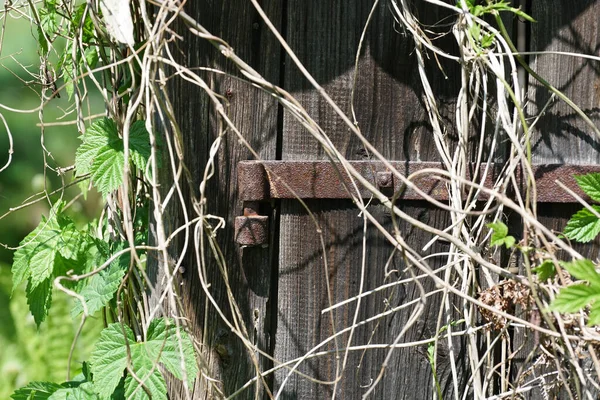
(28, 354)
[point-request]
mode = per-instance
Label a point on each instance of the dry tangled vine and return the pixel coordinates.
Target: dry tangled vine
(133, 154)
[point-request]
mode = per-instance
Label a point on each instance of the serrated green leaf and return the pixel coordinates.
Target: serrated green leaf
(84, 391)
(162, 341)
(583, 226)
(499, 228)
(20, 268)
(47, 28)
(86, 27)
(107, 169)
(70, 241)
(487, 40)
(44, 248)
(43, 43)
(147, 372)
(39, 299)
(583, 270)
(109, 358)
(139, 145)
(575, 297)
(590, 184)
(545, 270)
(500, 236)
(101, 133)
(91, 56)
(102, 287)
(594, 317)
(69, 73)
(36, 391)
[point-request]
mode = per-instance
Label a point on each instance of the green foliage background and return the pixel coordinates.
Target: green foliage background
(28, 354)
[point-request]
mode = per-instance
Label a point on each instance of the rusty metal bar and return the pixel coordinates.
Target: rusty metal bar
(264, 180)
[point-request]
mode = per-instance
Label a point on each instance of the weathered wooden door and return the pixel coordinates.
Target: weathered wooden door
(321, 253)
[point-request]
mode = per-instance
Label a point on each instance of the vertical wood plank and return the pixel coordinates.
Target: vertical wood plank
(255, 114)
(390, 113)
(560, 136)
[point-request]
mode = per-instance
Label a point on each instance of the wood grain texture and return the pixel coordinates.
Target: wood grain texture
(390, 113)
(255, 114)
(560, 136)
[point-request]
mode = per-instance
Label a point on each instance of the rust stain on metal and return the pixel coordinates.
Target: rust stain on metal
(264, 180)
(252, 230)
(385, 179)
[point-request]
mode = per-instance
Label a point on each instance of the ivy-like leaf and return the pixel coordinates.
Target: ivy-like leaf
(102, 154)
(101, 133)
(52, 249)
(109, 359)
(583, 226)
(146, 370)
(590, 184)
(500, 236)
(85, 26)
(36, 391)
(107, 168)
(575, 297)
(48, 26)
(594, 317)
(583, 270)
(162, 340)
(84, 391)
(139, 144)
(91, 56)
(102, 287)
(546, 270)
(39, 299)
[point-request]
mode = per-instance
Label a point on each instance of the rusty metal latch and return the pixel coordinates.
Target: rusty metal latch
(260, 181)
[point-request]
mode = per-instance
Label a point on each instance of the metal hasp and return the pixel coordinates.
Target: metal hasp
(260, 181)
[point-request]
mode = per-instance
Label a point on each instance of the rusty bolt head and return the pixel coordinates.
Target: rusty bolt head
(384, 179)
(252, 230)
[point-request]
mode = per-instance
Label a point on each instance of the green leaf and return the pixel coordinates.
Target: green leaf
(101, 133)
(69, 73)
(575, 297)
(162, 341)
(36, 391)
(109, 359)
(70, 239)
(47, 28)
(39, 299)
(86, 27)
(107, 168)
(583, 270)
(139, 145)
(594, 317)
(487, 40)
(590, 184)
(499, 228)
(20, 268)
(500, 236)
(546, 270)
(583, 226)
(91, 56)
(84, 391)
(148, 372)
(102, 287)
